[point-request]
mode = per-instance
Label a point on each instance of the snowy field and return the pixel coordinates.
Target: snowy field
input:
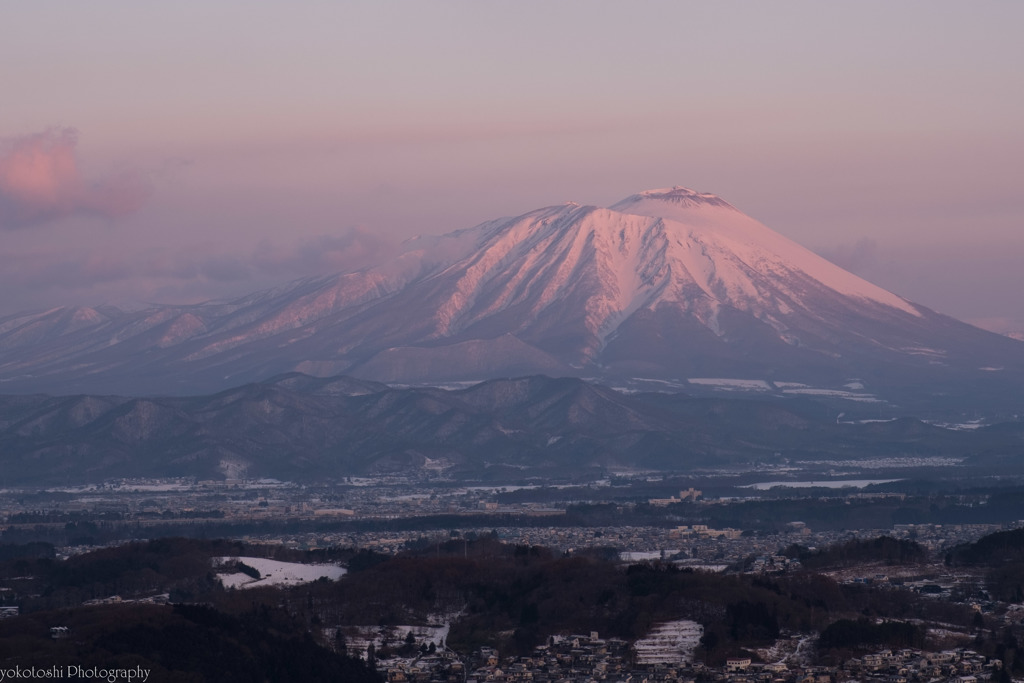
(835, 393)
(960, 426)
(358, 638)
(727, 384)
(642, 555)
(670, 643)
(275, 573)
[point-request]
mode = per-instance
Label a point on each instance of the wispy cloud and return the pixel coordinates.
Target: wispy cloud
(40, 182)
(196, 272)
(352, 249)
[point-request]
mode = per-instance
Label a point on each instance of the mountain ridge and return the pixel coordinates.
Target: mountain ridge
(666, 284)
(301, 428)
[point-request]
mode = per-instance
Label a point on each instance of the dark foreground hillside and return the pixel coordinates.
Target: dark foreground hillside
(180, 643)
(509, 597)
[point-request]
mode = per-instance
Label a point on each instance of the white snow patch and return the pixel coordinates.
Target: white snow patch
(835, 393)
(960, 426)
(276, 573)
(639, 555)
(393, 636)
(671, 643)
(731, 384)
(675, 385)
(924, 351)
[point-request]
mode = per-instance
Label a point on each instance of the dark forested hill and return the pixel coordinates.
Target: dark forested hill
(507, 596)
(301, 428)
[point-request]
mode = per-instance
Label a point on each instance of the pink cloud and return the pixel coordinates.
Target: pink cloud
(40, 182)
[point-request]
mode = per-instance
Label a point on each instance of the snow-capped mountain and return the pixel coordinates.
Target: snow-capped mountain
(667, 284)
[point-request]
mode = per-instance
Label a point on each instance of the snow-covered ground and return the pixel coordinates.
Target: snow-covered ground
(787, 388)
(358, 638)
(793, 649)
(835, 393)
(643, 555)
(276, 573)
(649, 380)
(671, 643)
(960, 426)
(697, 565)
(731, 384)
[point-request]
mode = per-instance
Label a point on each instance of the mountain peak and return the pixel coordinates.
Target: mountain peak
(667, 284)
(677, 195)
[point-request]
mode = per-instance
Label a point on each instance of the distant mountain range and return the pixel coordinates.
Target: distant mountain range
(666, 285)
(301, 428)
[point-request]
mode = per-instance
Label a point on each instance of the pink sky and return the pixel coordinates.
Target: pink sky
(199, 150)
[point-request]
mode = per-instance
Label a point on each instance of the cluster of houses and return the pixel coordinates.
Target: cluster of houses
(573, 658)
(589, 659)
(689, 495)
(702, 531)
(903, 666)
(774, 564)
(439, 667)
